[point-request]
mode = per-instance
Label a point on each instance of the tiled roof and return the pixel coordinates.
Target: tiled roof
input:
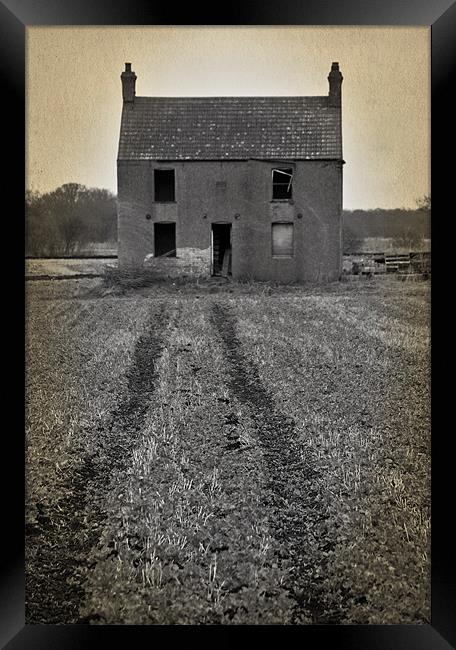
(219, 128)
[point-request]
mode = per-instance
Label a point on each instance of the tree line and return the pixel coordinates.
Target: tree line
(63, 222)
(66, 220)
(407, 227)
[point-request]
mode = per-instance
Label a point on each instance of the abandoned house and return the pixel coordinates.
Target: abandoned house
(244, 186)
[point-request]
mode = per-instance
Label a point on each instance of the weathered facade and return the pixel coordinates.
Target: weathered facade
(247, 186)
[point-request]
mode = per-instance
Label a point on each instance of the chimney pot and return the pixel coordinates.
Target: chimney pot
(128, 67)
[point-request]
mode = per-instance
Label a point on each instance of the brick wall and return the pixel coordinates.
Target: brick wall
(239, 193)
(188, 262)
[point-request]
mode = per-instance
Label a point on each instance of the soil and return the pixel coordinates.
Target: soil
(289, 497)
(59, 543)
(297, 425)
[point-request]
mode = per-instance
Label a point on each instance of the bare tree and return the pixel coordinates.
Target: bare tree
(424, 203)
(64, 203)
(61, 221)
(41, 234)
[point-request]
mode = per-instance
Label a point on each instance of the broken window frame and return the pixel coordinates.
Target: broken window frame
(288, 172)
(274, 253)
(157, 197)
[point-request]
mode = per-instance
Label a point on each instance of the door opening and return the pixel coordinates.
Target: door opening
(221, 249)
(165, 239)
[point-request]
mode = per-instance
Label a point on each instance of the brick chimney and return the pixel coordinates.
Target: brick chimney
(335, 86)
(128, 78)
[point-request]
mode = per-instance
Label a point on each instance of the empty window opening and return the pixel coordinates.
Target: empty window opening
(282, 240)
(282, 182)
(165, 239)
(164, 185)
(221, 249)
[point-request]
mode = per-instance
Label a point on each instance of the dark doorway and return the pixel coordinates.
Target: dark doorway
(165, 239)
(221, 249)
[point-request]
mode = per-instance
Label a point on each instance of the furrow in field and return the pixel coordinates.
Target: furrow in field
(362, 411)
(75, 362)
(68, 526)
(233, 459)
(292, 481)
(187, 539)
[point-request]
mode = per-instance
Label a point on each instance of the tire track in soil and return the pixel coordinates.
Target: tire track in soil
(292, 508)
(66, 531)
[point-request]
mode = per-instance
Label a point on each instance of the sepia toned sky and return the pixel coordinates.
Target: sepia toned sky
(74, 97)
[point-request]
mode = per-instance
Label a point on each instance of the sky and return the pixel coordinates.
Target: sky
(74, 97)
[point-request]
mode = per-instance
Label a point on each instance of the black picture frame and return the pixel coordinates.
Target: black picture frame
(15, 16)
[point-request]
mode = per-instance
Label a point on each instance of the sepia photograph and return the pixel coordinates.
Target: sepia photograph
(227, 303)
